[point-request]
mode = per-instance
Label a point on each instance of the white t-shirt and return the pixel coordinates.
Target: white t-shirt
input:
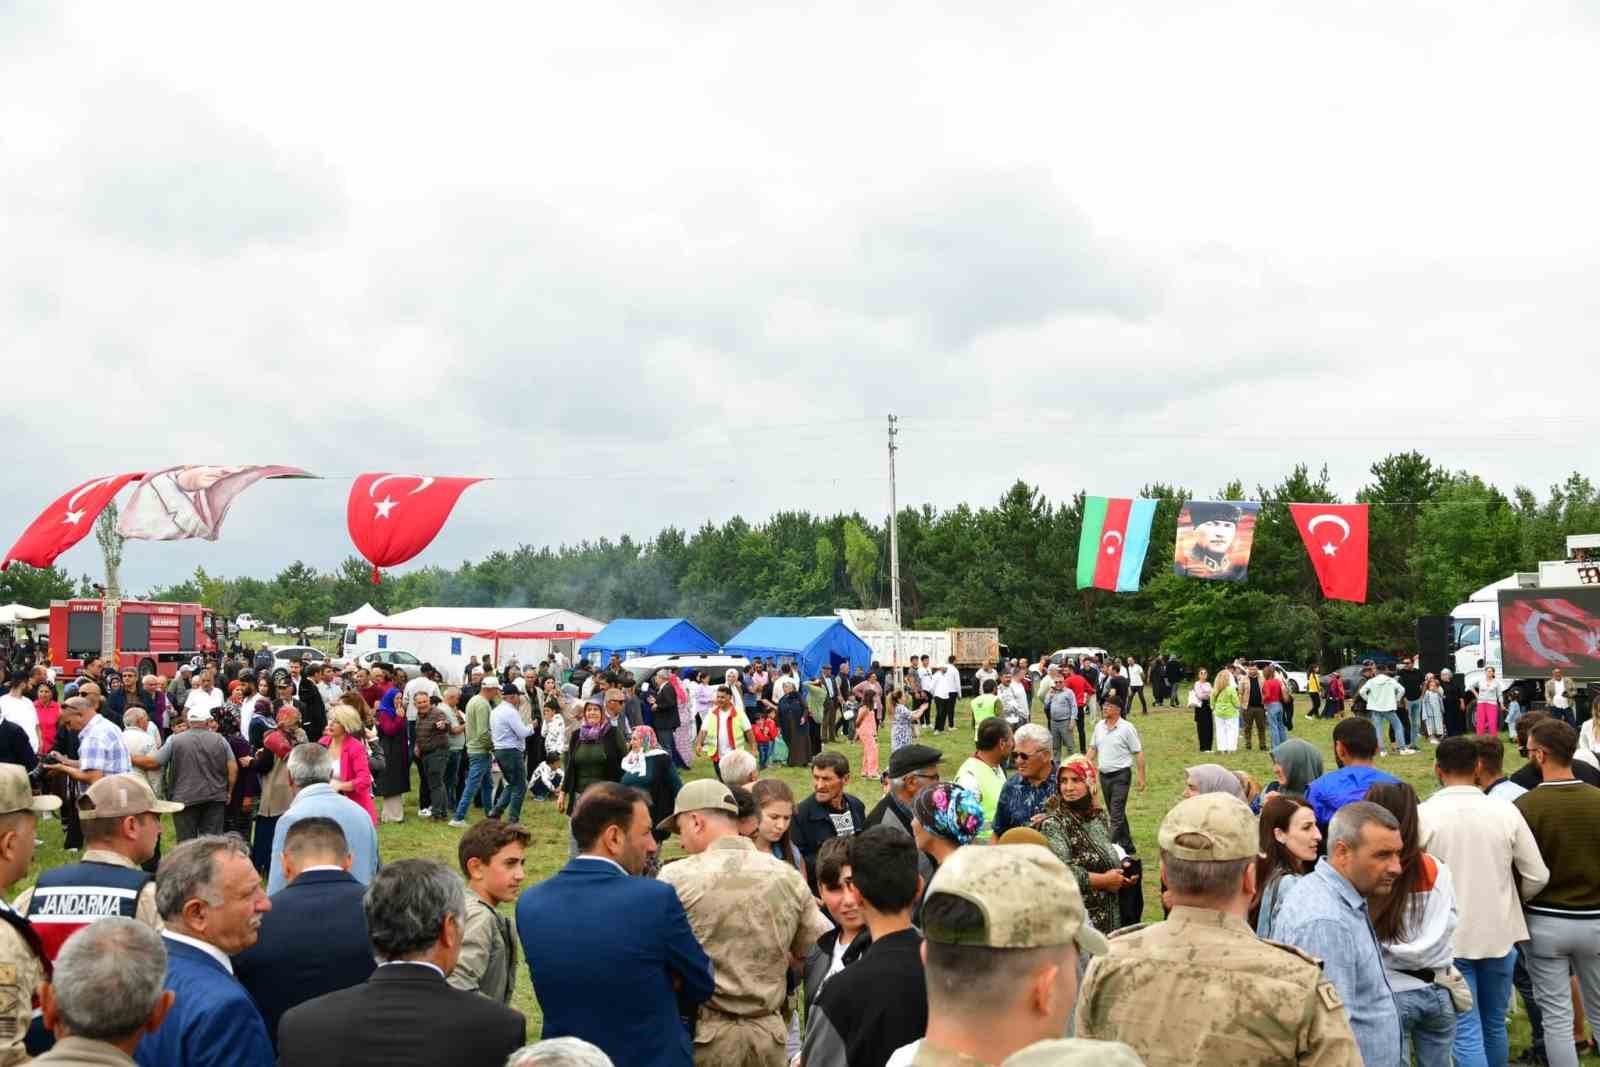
(207, 702)
(21, 711)
(417, 685)
(1559, 700)
(140, 743)
(1115, 748)
(1135, 675)
(1489, 692)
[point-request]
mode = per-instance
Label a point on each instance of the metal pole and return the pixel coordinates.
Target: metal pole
(894, 556)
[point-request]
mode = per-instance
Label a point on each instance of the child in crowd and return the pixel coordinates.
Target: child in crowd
(491, 857)
(1513, 709)
(903, 731)
(776, 802)
(546, 777)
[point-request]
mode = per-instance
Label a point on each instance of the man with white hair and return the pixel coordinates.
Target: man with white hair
(211, 902)
(738, 768)
(559, 1052)
(1023, 797)
(310, 771)
(136, 737)
(106, 994)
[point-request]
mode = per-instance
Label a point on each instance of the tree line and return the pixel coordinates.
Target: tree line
(1436, 535)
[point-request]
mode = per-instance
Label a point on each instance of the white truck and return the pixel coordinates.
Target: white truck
(1475, 626)
(972, 646)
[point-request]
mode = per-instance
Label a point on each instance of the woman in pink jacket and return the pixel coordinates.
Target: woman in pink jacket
(345, 741)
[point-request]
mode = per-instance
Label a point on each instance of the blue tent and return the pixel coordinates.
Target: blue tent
(813, 643)
(648, 637)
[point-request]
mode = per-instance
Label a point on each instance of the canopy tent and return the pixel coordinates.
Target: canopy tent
(647, 637)
(11, 614)
(812, 643)
(449, 637)
(362, 616)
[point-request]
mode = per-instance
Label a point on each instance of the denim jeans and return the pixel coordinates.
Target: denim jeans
(1275, 728)
(763, 754)
(1428, 1021)
(478, 764)
(452, 777)
(1481, 1030)
(513, 769)
(1393, 719)
(1415, 707)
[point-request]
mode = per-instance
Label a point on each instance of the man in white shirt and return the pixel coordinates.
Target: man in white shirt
(14, 707)
(1488, 846)
(328, 686)
(1116, 750)
(422, 683)
(1136, 686)
(1560, 694)
(509, 735)
(946, 688)
(204, 696)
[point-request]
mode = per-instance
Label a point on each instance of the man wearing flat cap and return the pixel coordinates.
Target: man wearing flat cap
(1003, 928)
(1215, 524)
(751, 912)
(1225, 995)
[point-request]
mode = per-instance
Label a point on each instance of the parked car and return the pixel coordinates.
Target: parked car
(303, 653)
(1350, 676)
(1075, 653)
(644, 667)
(392, 656)
(1298, 680)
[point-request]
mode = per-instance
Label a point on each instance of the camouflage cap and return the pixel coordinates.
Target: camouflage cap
(16, 794)
(1028, 899)
(116, 796)
(1211, 826)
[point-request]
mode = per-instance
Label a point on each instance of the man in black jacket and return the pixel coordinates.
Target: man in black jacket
(828, 812)
(314, 713)
(314, 940)
(405, 1013)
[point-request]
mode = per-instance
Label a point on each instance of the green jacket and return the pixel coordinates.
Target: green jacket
(478, 740)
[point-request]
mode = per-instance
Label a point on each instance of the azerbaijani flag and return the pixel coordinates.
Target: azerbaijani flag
(1116, 535)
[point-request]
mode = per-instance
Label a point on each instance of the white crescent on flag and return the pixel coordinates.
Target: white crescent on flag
(1530, 632)
(86, 487)
(422, 483)
(1111, 549)
(1325, 517)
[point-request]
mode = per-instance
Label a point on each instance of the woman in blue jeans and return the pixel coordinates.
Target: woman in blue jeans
(1414, 923)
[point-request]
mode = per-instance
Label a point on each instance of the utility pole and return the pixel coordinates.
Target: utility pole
(105, 532)
(894, 553)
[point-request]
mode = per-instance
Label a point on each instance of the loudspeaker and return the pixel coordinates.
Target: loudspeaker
(1433, 643)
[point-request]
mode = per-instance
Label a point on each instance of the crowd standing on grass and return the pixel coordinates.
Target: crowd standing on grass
(994, 917)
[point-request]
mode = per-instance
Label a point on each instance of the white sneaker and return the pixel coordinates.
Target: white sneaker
(458, 823)
(425, 813)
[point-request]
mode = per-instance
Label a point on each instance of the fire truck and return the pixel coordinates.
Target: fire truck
(151, 637)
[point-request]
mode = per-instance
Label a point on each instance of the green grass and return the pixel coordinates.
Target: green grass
(1169, 744)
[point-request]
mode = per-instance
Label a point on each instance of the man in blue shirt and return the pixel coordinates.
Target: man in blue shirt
(1355, 743)
(310, 771)
(1325, 915)
(1024, 794)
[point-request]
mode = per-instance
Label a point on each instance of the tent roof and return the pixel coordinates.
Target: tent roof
(364, 614)
(811, 641)
(555, 623)
(11, 614)
(649, 637)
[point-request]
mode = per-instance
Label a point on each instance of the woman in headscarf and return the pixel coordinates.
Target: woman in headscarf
(1296, 763)
(1211, 778)
(1080, 835)
(648, 767)
(1200, 702)
(943, 818)
(272, 767)
(395, 780)
(594, 754)
(795, 717)
(240, 810)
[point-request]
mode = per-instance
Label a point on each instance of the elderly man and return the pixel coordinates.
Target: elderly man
(1325, 914)
(1023, 796)
(406, 1012)
(830, 811)
(480, 747)
(204, 697)
(750, 946)
(106, 994)
(310, 771)
(100, 748)
(1227, 996)
(1561, 694)
(203, 772)
(121, 821)
(211, 902)
(738, 768)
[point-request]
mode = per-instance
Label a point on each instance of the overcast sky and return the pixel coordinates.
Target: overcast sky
(664, 264)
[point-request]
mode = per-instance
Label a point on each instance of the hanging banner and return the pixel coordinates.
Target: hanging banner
(1115, 538)
(1335, 536)
(391, 521)
(190, 502)
(66, 522)
(1214, 538)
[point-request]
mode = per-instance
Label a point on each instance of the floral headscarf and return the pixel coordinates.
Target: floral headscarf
(1080, 765)
(949, 811)
(227, 717)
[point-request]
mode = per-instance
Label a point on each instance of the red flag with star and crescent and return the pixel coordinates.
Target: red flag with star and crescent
(1336, 540)
(66, 522)
(392, 517)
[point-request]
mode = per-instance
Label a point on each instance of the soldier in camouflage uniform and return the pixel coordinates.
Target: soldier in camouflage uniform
(751, 913)
(22, 961)
(1201, 988)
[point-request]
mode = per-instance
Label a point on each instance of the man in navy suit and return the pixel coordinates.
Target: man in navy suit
(211, 902)
(634, 962)
(314, 940)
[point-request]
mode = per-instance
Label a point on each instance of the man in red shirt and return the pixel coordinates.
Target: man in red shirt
(1083, 691)
(1272, 695)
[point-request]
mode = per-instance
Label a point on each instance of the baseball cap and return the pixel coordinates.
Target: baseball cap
(1028, 899)
(491, 681)
(1210, 827)
(197, 714)
(117, 795)
(908, 758)
(705, 794)
(1022, 835)
(17, 795)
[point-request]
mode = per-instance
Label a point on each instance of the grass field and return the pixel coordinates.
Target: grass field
(1169, 744)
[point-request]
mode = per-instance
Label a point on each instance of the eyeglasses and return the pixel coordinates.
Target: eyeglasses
(1021, 755)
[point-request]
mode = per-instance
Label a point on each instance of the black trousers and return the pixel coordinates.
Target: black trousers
(1115, 786)
(944, 716)
(1203, 725)
(1083, 745)
(199, 820)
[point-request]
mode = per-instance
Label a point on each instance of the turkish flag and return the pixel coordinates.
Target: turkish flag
(66, 522)
(1336, 539)
(392, 517)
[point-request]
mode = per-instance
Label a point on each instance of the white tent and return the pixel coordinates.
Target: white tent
(365, 615)
(11, 614)
(448, 637)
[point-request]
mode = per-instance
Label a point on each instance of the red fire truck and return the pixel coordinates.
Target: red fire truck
(151, 637)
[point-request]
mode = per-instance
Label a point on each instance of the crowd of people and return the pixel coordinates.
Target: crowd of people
(989, 915)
